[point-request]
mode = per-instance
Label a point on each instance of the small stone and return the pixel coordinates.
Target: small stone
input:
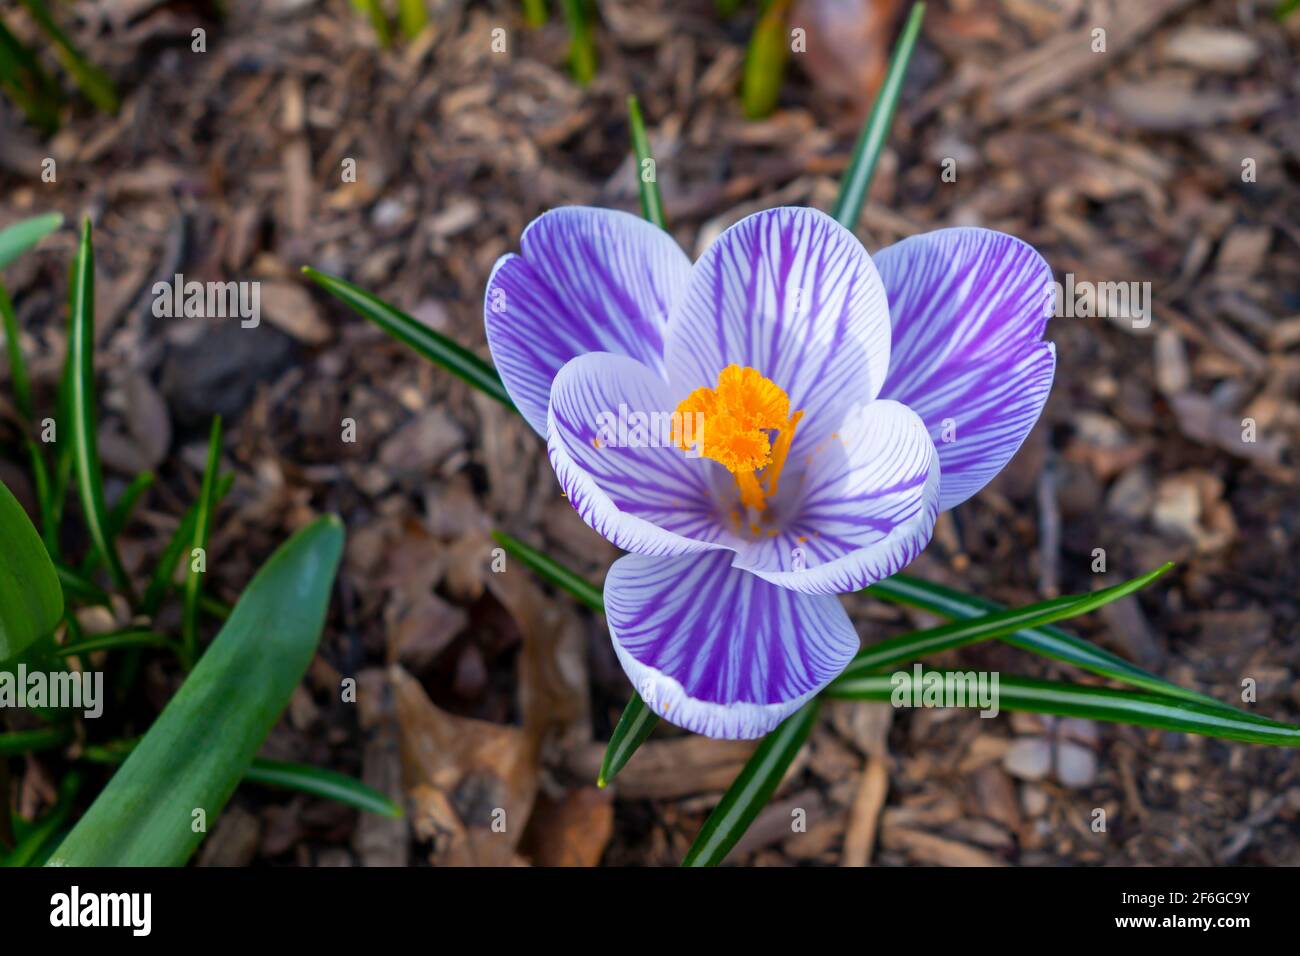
(1029, 758)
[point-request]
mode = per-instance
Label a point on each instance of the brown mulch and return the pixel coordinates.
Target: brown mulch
(485, 699)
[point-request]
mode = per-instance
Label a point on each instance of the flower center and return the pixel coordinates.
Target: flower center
(745, 425)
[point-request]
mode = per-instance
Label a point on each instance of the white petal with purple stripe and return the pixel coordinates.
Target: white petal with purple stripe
(867, 506)
(717, 650)
(636, 490)
(969, 308)
(792, 293)
(589, 280)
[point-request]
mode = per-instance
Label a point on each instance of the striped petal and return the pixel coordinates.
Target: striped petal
(589, 280)
(717, 650)
(609, 435)
(969, 308)
(792, 293)
(867, 505)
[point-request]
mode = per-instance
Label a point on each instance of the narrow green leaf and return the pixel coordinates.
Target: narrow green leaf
(908, 647)
(634, 727)
(551, 571)
(76, 586)
(647, 173)
(161, 581)
(204, 741)
(22, 235)
(752, 788)
(871, 141)
(31, 601)
(131, 637)
(437, 348)
(17, 366)
(412, 18)
(81, 354)
(30, 741)
(199, 542)
(93, 81)
(765, 59)
(1093, 703)
(119, 516)
(1046, 641)
(582, 45)
(321, 783)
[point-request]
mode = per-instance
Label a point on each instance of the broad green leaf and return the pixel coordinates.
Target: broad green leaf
(1046, 641)
(321, 783)
(1094, 703)
(634, 727)
(205, 739)
(85, 451)
(908, 647)
(582, 45)
(437, 348)
(93, 81)
(199, 542)
(765, 59)
(647, 174)
(871, 141)
(22, 235)
(752, 788)
(161, 580)
(31, 600)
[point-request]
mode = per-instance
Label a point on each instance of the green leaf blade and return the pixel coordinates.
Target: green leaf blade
(199, 543)
(435, 347)
(752, 788)
(647, 173)
(633, 729)
(31, 598)
(207, 736)
(325, 784)
(871, 141)
(22, 235)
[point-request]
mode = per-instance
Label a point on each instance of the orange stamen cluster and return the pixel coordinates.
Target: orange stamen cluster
(736, 420)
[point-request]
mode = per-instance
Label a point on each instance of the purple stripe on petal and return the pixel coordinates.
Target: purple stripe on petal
(867, 506)
(715, 649)
(589, 280)
(632, 487)
(792, 293)
(969, 308)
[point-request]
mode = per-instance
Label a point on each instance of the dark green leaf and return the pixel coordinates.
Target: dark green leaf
(180, 539)
(412, 17)
(31, 601)
(38, 838)
(1094, 703)
(321, 783)
(1047, 641)
(535, 13)
(204, 741)
(85, 453)
(871, 141)
(93, 81)
(435, 347)
(29, 741)
(908, 647)
(752, 788)
(119, 516)
(132, 637)
(551, 571)
(634, 726)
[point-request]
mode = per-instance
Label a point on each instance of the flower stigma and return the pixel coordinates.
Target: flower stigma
(738, 419)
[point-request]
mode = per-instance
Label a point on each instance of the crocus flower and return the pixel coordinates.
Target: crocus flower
(824, 408)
